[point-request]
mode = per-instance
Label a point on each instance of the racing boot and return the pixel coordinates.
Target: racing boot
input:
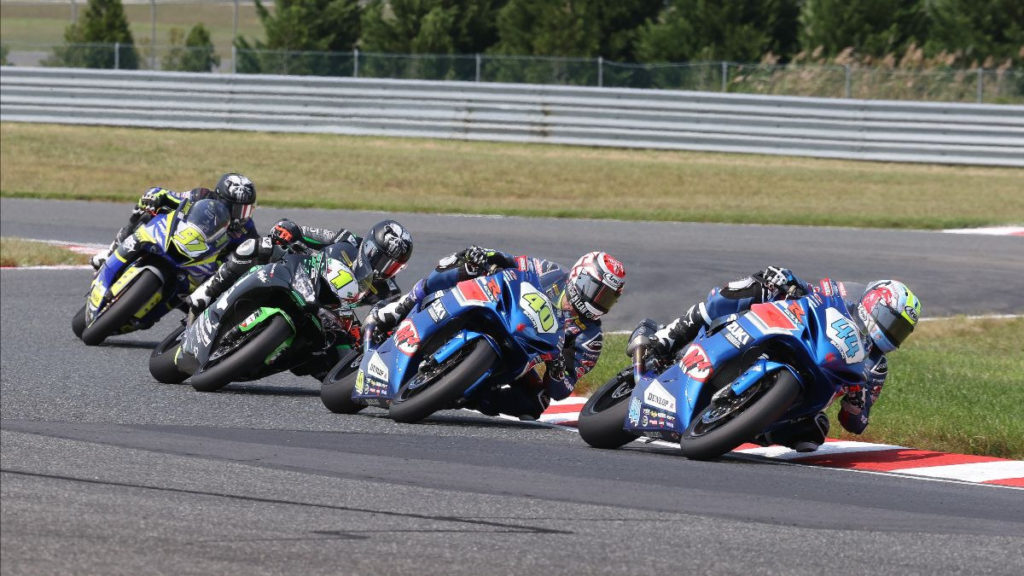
(804, 435)
(679, 331)
(527, 398)
(100, 257)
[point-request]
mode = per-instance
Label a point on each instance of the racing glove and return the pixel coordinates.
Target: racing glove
(153, 200)
(854, 399)
(782, 281)
(477, 259)
(555, 369)
(478, 256)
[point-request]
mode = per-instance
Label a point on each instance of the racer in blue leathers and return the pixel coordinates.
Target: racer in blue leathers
(581, 295)
(234, 191)
(885, 312)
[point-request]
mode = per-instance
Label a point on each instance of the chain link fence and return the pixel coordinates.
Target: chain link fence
(997, 86)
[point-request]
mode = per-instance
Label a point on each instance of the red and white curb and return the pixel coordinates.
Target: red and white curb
(994, 231)
(850, 455)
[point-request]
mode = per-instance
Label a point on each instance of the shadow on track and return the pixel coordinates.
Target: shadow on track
(447, 419)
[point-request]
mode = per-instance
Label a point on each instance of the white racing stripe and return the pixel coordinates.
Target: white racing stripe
(993, 231)
(828, 448)
(975, 472)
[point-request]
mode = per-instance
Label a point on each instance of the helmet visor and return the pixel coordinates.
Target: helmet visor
(596, 293)
(895, 326)
(372, 258)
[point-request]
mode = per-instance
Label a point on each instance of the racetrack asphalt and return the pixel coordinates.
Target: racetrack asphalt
(106, 472)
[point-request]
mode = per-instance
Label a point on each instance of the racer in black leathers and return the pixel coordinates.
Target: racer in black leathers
(235, 191)
(580, 295)
(881, 333)
(374, 276)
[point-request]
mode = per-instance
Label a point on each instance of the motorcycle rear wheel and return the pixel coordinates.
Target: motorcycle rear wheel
(425, 394)
(601, 420)
(724, 430)
(338, 385)
(121, 311)
(161, 360)
(246, 359)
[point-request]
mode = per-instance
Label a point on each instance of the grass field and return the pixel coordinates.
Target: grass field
(18, 252)
(445, 176)
(957, 385)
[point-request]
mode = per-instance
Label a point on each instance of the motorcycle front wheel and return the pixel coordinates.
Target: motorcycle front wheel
(161, 360)
(731, 420)
(121, 311)
(246, 359)
(603, 416)
(437, 387)
(338, 385)
(78, 322)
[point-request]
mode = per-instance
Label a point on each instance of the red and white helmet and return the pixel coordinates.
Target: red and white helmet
(890, 312)
(595, 283)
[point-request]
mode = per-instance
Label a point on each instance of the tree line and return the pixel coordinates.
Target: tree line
(899, 33)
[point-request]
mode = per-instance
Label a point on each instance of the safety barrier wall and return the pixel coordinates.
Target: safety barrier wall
(895, 131)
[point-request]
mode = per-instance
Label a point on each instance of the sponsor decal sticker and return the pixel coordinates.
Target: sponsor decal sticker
(407, 338)
(657, 395)
(634, 411)
(797, 311)
(376, 369)
(736, 335)
(437, 311)
(696, 364)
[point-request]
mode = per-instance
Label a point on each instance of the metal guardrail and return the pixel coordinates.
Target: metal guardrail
(895, 131)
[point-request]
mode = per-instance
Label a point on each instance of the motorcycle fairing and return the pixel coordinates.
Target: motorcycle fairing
(115, 276)
(815, 331)
(506, 310)
(256, 284)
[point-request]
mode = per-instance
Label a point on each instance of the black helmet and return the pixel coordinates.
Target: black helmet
(384, 252)
(239, 193)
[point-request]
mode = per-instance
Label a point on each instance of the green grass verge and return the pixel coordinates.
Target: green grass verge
(447, 176)
(956, 386)
(18, 252)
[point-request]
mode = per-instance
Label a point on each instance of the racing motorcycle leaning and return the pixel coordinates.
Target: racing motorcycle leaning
(744, 375)
(483, 333)
(291, 314)
(180, 250)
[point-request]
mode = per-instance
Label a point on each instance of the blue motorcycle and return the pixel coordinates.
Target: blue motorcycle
(483, 333)
(744, 375)
(181, 249)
